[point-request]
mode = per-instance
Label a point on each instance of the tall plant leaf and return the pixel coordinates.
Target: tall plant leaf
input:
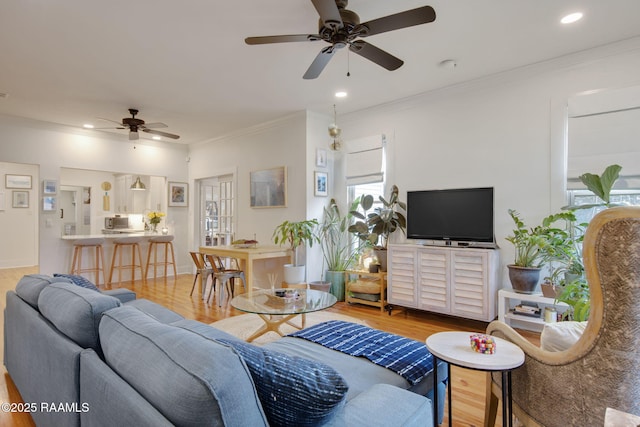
(601, 185)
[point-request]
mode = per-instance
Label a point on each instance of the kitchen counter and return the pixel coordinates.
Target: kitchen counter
(140, 233)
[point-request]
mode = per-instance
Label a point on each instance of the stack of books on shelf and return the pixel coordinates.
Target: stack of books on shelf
(524, 309)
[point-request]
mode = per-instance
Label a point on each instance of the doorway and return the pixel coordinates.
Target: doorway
(216, 210)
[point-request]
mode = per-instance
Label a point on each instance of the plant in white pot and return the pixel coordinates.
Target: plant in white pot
(334, 240)
(296, 234)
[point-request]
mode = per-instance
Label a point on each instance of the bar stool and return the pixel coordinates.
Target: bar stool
(167, 242)
(76, 264)
(119, 245)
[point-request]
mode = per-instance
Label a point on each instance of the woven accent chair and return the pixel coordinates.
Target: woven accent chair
(574, 387)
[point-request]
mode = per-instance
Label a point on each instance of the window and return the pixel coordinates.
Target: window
(584, 197)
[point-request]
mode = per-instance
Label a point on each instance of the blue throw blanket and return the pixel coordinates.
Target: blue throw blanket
(406, 357)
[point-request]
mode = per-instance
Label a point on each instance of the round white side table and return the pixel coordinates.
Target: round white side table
(455, 349)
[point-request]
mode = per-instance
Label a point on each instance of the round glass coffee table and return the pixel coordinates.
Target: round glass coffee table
(279, 306)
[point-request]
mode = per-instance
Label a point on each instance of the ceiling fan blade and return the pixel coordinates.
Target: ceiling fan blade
(319, 63)
(329, 13)
(375, 54)
(157, 132)
(408, 18)
(119, 127)
(155, 125)
(282, 39)
(109, 120)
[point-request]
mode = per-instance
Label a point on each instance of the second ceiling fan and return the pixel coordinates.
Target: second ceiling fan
(341, 27)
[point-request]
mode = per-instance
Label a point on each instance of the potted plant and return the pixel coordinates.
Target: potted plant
(533, 248)
(296, 234)
(374, 229)
(336, 247)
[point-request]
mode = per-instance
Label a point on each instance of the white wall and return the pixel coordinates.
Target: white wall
(506, 131)
(54, 147)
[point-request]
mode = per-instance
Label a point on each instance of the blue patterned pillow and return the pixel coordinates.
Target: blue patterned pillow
(78, 280)
(293, 391)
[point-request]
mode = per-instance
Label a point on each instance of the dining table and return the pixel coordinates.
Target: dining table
(247, 255)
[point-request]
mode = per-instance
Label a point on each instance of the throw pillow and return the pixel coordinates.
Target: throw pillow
(293, 391)
(78, 280)
(561, 336)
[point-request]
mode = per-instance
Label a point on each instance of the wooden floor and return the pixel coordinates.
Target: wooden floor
(468, 386)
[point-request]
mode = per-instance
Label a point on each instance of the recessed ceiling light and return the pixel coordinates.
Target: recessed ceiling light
(156, 137)
(341, 94)
(571, 18)
(88, 126)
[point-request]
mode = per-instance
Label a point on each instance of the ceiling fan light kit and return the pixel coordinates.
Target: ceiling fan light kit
(341, 27)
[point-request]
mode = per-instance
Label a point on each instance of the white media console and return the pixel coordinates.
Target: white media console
(459, 281)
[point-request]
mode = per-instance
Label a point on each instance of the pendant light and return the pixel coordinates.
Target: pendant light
(334, 132)
(138, 185)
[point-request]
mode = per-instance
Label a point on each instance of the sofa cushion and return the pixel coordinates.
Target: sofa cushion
(30, 286)
(294, 391)
(75, 311)
(78, 280)
(189, 379)
(154, 310)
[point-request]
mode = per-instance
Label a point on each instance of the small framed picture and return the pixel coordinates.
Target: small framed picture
(48, 203)
(17, 181)
(49, 186)
(20, 199)
(321, 188)
(321, 158)
(178, 194)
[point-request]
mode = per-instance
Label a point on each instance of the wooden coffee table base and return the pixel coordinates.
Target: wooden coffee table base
(272, 322)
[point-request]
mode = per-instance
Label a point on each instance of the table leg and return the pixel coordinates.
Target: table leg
(435, 391)
(271, 324)
(449, 386)
(506, 399)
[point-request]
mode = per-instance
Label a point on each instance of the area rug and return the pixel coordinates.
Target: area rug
(246, 324)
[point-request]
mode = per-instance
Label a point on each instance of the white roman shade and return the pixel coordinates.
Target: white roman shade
(604, 129)
(365, 160)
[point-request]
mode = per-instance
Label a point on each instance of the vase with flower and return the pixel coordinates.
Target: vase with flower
(154, 220)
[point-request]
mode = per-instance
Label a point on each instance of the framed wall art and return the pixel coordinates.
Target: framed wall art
(178, 194)
(17, 181)
(321, 188)
(49, 186)
(20, 199)
(48, 203)
(269, 188)
(321, 158)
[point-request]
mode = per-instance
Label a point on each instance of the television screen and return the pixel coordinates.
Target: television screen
(464, 214)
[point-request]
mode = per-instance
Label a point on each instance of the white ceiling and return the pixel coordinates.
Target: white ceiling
(185, 63)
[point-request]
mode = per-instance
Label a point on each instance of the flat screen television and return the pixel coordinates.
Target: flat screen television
(460, 215)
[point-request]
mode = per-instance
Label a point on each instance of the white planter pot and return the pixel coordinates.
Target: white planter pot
(294, 274)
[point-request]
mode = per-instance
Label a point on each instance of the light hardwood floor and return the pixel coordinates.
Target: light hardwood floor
(468, 386)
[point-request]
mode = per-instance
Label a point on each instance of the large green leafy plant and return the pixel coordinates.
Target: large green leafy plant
(334, 238)
(374, 229)
(296, 234)
(600, 185)
(536, 246)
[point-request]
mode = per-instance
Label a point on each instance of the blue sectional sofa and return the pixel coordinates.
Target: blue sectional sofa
(90, 358)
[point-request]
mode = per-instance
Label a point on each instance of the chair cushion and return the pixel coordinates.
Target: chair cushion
(294, 391)
(78, 280)
(30, 286)
(561, 335)
(191, 380)
(75, 311)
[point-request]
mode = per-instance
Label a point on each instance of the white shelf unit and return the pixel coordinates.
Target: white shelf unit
(461, 282)
(506, 315)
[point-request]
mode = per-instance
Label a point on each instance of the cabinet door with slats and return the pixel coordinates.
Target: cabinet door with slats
(469, 278)
(433, 279)
(401, 278)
